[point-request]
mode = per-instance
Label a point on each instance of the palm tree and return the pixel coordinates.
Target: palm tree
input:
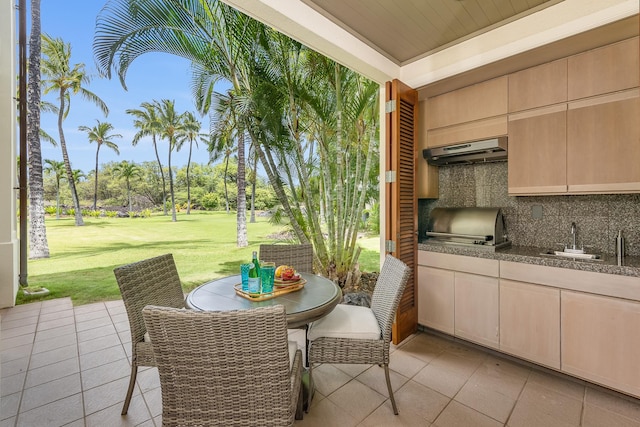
(127, 171)
(190, 133)
(171, 127)
(78, 175)
(57, 169)
(66, 80)
(100, 135)
(147, 122)
(38, 244)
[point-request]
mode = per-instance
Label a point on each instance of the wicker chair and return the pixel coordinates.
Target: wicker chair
(299, 257)
(225, 368)
(152, 281)
(362, 335)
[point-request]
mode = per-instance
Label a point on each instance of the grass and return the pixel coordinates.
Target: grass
(203, 245)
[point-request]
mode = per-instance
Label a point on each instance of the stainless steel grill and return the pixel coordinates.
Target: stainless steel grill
(478, 227)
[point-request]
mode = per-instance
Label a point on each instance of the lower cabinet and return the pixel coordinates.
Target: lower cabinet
(530, 322)
(600, 340)
(436, 299)
(476, 309)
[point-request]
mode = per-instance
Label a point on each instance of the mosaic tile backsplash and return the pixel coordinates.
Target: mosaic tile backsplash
(598, 217)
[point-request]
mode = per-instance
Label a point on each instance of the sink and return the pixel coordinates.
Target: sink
(573, 255)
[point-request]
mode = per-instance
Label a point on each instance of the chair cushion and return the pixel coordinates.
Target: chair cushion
(293, 347)
(346, 321)
(146, 337)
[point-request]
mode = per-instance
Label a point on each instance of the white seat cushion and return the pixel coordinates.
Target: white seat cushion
(293, 347)
(346, 321)
(146, 337)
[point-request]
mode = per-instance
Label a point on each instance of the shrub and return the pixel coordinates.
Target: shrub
(145, 213)
(71, 211)
(111, 214)
(374, 219)
(94, 214)
(209, 201)
(50, 210)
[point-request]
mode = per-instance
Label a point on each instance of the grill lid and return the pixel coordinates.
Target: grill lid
(468, 226)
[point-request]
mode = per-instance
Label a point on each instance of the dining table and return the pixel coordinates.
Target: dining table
(313, 301)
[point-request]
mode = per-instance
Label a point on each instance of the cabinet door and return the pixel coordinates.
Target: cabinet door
(436, 298)
(476, 309)
(538, 151)
(603, 70)
(600, 340)
(603, 144)
(538, 86)
(530, 322)
(470, 131)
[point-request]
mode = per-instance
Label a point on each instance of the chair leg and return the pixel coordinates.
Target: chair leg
(310, 391)
(300, 405)
(393, 400)
(132, 383)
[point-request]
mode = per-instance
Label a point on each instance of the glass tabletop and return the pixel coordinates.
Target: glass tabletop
(316, 299)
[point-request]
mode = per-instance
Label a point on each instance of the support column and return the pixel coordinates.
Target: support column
(8, 175)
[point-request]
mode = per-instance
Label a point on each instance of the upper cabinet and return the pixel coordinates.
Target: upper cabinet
(607, 69)
(538, 86)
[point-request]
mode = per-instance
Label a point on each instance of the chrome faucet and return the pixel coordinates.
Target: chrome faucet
(573, 234)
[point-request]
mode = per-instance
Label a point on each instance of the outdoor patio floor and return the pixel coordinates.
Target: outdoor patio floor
(69, 366)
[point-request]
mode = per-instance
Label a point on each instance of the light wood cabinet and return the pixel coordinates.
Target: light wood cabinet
(600, 340)
(436, 299)
(530, 322)
(538, 151)
(476, 309)
(603, 70)
(538, 86)
(476, 102)
(603, 144)
(427, 178)
(471, 131)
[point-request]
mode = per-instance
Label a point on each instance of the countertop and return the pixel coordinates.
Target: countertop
(532, 255)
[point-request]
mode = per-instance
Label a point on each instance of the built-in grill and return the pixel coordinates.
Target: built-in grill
(478, 227)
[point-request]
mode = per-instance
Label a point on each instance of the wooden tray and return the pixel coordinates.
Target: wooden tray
(277, 291)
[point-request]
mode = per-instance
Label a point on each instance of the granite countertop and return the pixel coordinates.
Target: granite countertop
(532, 255)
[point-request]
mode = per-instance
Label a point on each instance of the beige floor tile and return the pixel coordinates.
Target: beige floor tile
(49, 334)
(422, 401)
(610, 401)
(52, 372)
(327, 414)
(353, 370)
(76, 423)
(559, 384)
(54, 305)
(50, 392)
(498, 366)
(136, 415)
(19, 330)
(14, 367)
(6, 325)
(86, 316)
(405, 364)
(153, 399)
(94, 323)
(110, 394)
(14, 353)
(51, 342)
(493, 403)
(328, 378)
(595, 416)
(423, 349)
(455, 363)
(18, 341)
(147, 379)
(56, 315)
(151, 423)
(9, 405)
(53, 356)
(8, 422)
(90, 308)
(98, 343)
(55, 323)
(442, 380)
(374, 378)
(100, 331)
(101, 357)
(12, 384)
(58, 413)
(540, 406)
(106, 373)
(356, 399)
(119, 317)
(467, 351)
(384, 417)
(458, 415)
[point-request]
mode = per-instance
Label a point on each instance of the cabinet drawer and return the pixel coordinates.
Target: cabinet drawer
(465, 264)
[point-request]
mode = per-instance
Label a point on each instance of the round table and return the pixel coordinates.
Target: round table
(315, 300)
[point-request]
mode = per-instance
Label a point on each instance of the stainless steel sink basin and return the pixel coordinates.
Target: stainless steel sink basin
(572, 255)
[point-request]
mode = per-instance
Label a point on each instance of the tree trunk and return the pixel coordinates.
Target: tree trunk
(67, 164)
(57, 197)
(38, 245)
(224, 180)
(173, 202)
(95, 191)
(241, 215)
(253, 189)
(188, 181)
(164, 184)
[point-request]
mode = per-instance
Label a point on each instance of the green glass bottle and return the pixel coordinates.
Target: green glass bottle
(254, 275)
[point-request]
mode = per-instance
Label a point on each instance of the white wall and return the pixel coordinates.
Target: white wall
(8, 232)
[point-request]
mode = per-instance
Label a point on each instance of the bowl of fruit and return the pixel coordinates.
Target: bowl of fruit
(286, 275)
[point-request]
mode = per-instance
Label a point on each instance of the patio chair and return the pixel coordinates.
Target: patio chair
(361, 335)
(151, 281)
(298, 256)
(224, 368)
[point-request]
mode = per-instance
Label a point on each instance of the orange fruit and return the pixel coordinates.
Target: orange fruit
(279, 270)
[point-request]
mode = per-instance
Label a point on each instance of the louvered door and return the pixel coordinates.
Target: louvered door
(401, 203)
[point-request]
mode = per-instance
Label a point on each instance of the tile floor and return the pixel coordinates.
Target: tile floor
(69, 366)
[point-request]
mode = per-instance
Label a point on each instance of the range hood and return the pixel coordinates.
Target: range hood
(487, 150)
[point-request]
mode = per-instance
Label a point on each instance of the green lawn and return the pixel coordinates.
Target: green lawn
(203, 245)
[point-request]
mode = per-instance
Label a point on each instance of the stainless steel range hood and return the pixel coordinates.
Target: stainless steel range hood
(488, 150)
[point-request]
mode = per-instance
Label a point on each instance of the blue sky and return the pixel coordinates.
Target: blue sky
(151, 76)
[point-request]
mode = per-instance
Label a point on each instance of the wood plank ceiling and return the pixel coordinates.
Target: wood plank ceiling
(407, 30)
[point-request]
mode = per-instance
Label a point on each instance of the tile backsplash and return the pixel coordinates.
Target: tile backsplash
(598, 217)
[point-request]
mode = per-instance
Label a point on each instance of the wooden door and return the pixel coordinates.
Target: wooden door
(401, 203)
